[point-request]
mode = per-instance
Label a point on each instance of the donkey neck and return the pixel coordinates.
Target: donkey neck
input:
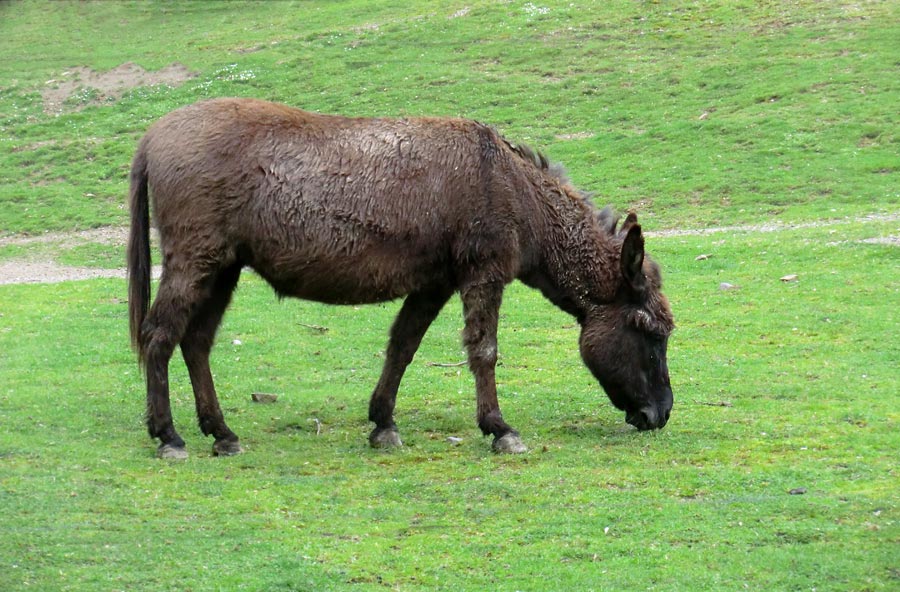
(576, 261)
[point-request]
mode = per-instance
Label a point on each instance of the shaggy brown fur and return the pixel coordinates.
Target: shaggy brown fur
(343, 210)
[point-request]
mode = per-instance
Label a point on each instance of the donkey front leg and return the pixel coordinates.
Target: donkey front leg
(481, 309)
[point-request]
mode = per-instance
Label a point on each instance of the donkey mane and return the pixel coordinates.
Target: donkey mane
(539, 160)
(530, 155)
(555, 171)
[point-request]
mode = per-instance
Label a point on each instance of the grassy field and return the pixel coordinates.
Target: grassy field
(697, 115)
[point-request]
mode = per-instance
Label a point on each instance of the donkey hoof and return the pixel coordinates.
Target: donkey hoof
(385, 438)
(226, 448)
(170, 452)
(509, 443)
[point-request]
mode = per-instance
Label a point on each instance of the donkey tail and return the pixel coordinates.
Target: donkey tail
(138, 249)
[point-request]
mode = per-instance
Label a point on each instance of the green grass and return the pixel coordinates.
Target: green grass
(778, 385)
(808, 386)
(694, 113)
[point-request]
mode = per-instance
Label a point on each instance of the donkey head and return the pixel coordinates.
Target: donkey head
(623, 342)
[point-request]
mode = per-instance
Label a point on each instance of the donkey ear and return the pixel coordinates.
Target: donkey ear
(630, 221)
(632, 258)
(607, 220)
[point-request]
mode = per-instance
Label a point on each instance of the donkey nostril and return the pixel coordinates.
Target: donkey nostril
(665, 419)
(643, 419)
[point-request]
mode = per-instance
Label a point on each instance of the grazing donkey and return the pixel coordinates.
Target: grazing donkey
(350, 211)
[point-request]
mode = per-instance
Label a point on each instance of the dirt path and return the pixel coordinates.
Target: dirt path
(48, 272)
(34, 270)
(23, 271)
(778, 227)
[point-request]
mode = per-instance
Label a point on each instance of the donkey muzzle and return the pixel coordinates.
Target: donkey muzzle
(648, 418)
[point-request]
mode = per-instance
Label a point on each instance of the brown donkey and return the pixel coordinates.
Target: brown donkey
(350, 211)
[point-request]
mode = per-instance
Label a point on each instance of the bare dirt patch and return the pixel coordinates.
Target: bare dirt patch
(894, 241)
(576, 136)
(80, 87)
(778, 227)
(49, 272)
(36, 269)
(33, 272)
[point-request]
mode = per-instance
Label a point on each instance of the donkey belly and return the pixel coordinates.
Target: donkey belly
(344, 248)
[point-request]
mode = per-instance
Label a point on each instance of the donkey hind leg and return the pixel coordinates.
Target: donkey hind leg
(164, 327)
(481, 309)
(415, 316)
(195, 347)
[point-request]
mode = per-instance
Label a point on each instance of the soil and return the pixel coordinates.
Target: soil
(33, 270)
(100, 88)
(29, 272)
